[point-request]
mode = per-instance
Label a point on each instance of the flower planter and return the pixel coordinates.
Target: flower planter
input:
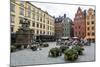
(79, 49)
(54, 52)
(63, 48)
(71, 55)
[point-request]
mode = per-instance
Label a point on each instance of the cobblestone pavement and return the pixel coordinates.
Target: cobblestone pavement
(29, 57)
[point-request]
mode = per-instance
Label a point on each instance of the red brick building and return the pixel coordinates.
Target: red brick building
(80, 23)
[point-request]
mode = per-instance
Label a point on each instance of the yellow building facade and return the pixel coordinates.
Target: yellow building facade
(40, 21)
(90, 25)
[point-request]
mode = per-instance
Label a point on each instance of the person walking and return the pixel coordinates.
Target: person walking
(89, 42)
(40, 44)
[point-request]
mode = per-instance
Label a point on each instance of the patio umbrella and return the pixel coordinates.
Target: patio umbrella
(75, 37)
(64, 37)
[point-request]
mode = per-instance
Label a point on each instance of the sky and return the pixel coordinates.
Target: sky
(61, 9)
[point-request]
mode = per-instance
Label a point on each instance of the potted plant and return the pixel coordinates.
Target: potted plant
(63, 48)
(34, 48)
(54, 52)
(13, 48)
(78, 49)
(71, 55)
(45, 45)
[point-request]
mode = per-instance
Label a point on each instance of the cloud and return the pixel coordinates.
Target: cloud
(60, 9)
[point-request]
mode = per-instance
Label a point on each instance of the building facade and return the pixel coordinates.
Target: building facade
(66, 22)
(40, 21)
(58, 27)
(90, 25)
(80, 24)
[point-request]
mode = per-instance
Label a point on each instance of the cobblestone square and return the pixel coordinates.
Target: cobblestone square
(29, 57)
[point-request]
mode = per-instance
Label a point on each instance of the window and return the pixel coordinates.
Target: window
(43, 26)
(44, 15)
(33, 24)
(33, 16)
(21, 11)
(12, 6)
(88, 28)
(87, 23)
(28, 22)
(12, 28)
(92, 28)
(88, 34)
(93, 33)
(12, 18)
(41, 19)
(92, 22)
(37, 24)
(79, 27)
(21, 20)
(48, 21)
(40, 25)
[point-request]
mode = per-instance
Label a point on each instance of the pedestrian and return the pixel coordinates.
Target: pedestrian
(89, 42)
(40, 44)
(39, 47)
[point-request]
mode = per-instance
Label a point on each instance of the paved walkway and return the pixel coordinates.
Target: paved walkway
(29, 57)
